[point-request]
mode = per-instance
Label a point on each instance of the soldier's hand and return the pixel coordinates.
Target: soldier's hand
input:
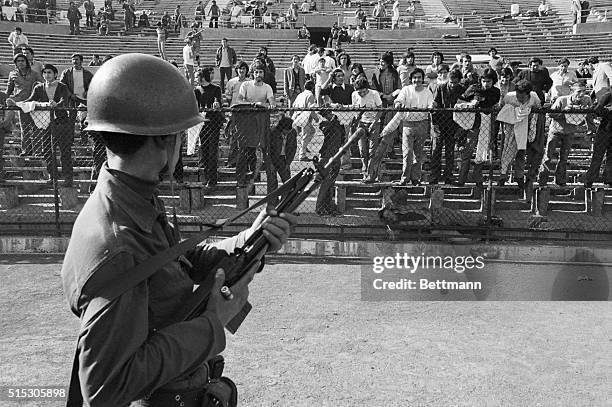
(226, 305)
(276, 227)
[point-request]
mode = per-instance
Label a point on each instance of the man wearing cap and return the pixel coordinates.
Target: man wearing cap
(561, 132)
(17, 39)
(77, 79)
(21, 80)
(225, 58)
(134, 349)
(196, 38)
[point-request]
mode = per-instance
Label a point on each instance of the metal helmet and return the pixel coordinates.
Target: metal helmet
(140, 94)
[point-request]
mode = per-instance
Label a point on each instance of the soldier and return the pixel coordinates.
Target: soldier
(134, 348)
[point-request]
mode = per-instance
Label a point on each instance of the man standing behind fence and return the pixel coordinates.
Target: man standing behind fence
(561, 132)
(225, 59)
(52, 93)
(603, 141)
(293, 79)
(252, 126)
(209, 96)
(77, 79)
(21, 80)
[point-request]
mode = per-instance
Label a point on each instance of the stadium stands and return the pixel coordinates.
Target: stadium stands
(515, 38)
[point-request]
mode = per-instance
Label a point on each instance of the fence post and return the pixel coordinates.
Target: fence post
(56, 199)
(489, 200)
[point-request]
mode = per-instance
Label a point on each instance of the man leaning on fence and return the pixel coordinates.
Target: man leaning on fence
(252, 127)
(445, 96)
(603, 141)
(56, 132)
(21, 81)
(209, 97)
(135, 349)
(563, 129)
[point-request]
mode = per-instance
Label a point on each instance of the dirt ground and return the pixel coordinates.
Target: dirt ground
(311, 341)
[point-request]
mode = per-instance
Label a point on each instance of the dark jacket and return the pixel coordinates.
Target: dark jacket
(62, 93)
(333, 133)
(339, 95)
(445, 97)
(377, 84)
(232, 56)
(67, 79)
(540, 80)
(289, 78)
(73, 14)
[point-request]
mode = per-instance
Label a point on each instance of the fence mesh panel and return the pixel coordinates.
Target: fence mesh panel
(410, 168)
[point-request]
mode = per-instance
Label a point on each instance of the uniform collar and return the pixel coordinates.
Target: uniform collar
(139, 209)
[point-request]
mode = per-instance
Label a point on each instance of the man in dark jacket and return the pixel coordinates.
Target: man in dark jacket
(74, 17)
(333, 133)
(540, 79)
(225, 59)
(60, 132)
(283, 145)
(445, 128)
(77, 79)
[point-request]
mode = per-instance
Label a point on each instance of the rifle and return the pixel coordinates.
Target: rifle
(298, 188)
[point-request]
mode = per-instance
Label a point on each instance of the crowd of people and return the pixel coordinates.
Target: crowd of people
(35, 87)
(329, 78)
(28, 11)
(325, 78)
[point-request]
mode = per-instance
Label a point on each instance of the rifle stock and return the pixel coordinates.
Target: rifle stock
(238, 263)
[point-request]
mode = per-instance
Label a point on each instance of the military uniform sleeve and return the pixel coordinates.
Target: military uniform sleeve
(122, 359)
(204, 256)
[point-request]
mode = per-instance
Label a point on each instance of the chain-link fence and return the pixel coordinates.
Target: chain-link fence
(431, 169)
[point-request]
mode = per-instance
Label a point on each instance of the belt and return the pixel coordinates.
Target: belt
(186, 398)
